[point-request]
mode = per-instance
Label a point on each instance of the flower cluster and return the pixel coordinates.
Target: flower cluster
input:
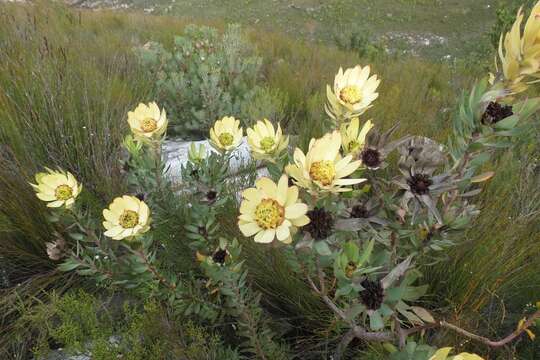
(127, 217)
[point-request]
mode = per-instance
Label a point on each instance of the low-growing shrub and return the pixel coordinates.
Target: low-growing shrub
(110, 327)
(360, 41)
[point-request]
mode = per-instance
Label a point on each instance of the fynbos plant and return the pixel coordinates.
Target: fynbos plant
(360, 238)
(205, 76)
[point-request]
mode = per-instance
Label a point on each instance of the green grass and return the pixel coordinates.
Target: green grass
(67, 79)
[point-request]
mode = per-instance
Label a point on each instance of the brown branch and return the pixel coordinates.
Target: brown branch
(344, 343)
(493, 343)
(322, 276)
(402, 335)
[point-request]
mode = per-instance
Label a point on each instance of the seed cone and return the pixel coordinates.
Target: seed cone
(321, 225)
(496, 112)
(420, 184)
(373, 294)
(371, 158)
(220, 256)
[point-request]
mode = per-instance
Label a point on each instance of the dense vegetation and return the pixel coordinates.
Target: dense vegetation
(68, 79)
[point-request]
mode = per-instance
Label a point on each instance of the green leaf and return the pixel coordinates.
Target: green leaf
(423, 314)
(344, 290)
(366, 253)
(410, 316)
(394, 294)
(376, 321)
(528, 107)
(86, 272)
(389, 347)
(480, 160)
(508, 123)
(68, 265)
(396, 273)
(414, 293)
(77, 236)
(351, 251)
(321, 247)
(352, 312)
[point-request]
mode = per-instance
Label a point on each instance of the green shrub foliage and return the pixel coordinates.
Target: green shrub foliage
(204, 76)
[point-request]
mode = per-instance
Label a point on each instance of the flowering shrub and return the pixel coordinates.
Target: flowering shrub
(362, 239)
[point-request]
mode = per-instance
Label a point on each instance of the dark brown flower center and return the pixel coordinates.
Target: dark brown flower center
(420, 183)
(373, 294)
(371, 158)
(496, 112)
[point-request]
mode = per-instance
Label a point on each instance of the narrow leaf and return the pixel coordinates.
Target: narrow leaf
(483, 177)
(423, 314)
(396, 273)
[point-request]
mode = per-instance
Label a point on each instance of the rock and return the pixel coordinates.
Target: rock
(175, 154)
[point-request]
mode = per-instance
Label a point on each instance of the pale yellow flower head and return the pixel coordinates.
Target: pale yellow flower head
(353, 138)
(226, 134)
(147, 122)
(354, 91)
(265, 141)
(323, 169)
(442, 354)
(126, 217)
(271, 211)
(519, 53)
(57, 188)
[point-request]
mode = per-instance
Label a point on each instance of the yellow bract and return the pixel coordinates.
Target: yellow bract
(226, 134)
(323, 169)
(352, 138)
(271, 210)
(442, 354)
(265, 141)
(126, 217)
(57, 188)
(147, 122)
(520, 53)
(354, 91)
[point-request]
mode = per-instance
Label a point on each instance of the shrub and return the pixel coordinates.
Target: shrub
(360, 41)
(205, 76)
(189, 225)
(363, 247)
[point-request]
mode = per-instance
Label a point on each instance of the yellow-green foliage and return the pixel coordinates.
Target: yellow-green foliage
(81, 322)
